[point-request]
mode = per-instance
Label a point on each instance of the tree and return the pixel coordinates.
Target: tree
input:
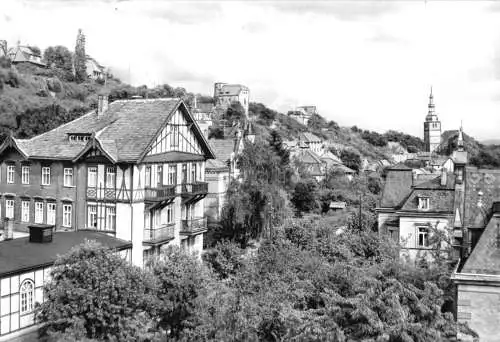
(80, 58)
(61, 58)
(304, 196)
(95, 294)
(181, 278)
(351, 159)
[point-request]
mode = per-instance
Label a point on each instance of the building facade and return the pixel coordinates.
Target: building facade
(432, 127)
(227, 94)
(133, 169)
(412, 209)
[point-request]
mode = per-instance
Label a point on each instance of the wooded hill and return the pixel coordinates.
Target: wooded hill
(34, 100)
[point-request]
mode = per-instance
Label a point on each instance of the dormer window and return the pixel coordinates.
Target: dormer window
(423, 203)
(79, 137)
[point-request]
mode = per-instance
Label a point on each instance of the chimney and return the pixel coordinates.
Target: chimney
(102, 105)
(8, 228)
(41, 233)
(444, 176)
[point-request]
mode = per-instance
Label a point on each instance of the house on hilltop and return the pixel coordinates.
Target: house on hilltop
(133, 169)
(226, 94)
(25, 54)
(302, 114)
(95, 71)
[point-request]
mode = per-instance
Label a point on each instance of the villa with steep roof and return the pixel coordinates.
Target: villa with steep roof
(133, 169)
(25, 54)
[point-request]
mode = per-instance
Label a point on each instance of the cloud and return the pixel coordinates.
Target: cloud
(383, 37)
(186, 13)
(343, 10)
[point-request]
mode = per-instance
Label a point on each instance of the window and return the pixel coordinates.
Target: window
(423, 203)
(193, 172)
(9, 208)
(67, 215)
(110, 177)
(25, 211)
(68, 176)
(147, 220)
(174, 136)
(92, 216)
(170, 214)
(172, 174)
(423, 237)
(45, 175)
(25, 174)
(10, 173)
(51, 213)
(148, 176)
(26, 296)
(159, 174)
(92, 176)
(38, 212)
(110, 218)
(157, 218)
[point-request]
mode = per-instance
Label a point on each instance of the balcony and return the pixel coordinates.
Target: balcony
(160, 194)
(157, 235)
(194, 226)
(192, 192)
(101, 193)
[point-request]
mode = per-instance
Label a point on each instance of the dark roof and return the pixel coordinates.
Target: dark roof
(485, 257)
(441, 200)
(20, 255)
(125, 130)
(482, 188)
(435, 183)
(397, 187)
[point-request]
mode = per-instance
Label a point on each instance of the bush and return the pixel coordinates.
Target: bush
(225, 258)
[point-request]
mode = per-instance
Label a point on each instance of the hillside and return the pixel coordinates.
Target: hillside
(34, 100)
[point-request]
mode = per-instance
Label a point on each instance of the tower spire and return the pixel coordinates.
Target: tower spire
(460, 141)
(431, 110)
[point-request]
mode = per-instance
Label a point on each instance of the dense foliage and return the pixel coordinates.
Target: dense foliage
(97, 295)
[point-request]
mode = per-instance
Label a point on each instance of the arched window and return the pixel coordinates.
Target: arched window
(26, 296)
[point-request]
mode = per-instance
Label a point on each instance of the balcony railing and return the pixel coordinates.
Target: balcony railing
(101, 193)
(159, 194)
(198, 188)
(166, 232)
(194, 225)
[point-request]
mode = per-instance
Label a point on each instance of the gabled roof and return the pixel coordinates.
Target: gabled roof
(124, 131)
(16, 144)
(441, 200)
(24, 54)
(485, 257)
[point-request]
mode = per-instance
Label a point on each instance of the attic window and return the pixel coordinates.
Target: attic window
(423, 203)
(79, 137)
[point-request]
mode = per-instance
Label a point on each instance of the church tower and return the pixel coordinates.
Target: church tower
(432, 127)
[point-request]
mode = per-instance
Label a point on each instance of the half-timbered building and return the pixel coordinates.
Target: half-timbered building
(132, 168)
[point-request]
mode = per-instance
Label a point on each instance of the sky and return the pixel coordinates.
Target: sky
(364, 63)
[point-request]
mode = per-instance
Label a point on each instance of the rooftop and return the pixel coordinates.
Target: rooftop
(124, 131)
(20, 255)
